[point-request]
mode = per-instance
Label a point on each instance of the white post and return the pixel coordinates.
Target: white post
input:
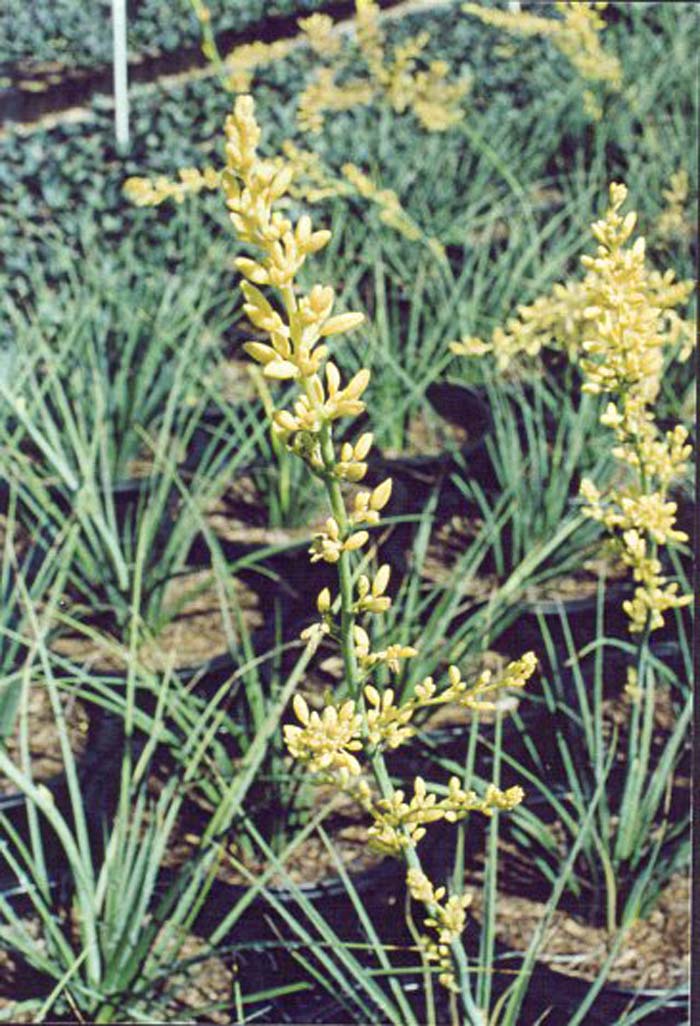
(121, 95)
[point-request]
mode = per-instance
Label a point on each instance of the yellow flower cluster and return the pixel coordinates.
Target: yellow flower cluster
(319, 34)
(322, 95)
(427, 92)
(237, 68)
(150, 192)
(313, 182)
(326, 742)
(675, 220)
(448, 920)
(392, 213)
(625, 361)
(576, 34)
(400, 824)
(329, 742)
(566, 316)
(241, 63)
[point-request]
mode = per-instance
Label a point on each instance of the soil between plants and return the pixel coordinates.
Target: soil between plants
(451, 539)
(428, 435)
(195, 635)
(655, 954)
(309, 864)
(44, 739)
(203, 982)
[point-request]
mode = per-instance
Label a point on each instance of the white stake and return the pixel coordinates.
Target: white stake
(121, 95)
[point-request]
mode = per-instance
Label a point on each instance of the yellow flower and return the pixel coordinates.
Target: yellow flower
(326, 743)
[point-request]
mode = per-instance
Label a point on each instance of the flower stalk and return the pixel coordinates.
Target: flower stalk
(344, 743)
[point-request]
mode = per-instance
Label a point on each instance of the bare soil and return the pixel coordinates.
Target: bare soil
(655, 953)
(310, 863)
(43, 735)
(428, 435)
(451, 539)
(198, 631)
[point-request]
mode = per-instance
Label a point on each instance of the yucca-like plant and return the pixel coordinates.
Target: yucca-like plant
(103, 924)
(105, 398)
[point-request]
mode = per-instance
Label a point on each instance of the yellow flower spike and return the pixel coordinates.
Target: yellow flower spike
(152, 192)
(329, 742)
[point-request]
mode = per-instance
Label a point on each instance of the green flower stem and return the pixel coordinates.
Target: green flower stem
(347, 614)
(473, 1016)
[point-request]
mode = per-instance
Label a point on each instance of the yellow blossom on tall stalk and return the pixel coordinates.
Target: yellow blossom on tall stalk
(394, 78)
(624, 360)
(575, 33)
(344, 742)
(566, 316)
(151, 192)
(432, 98)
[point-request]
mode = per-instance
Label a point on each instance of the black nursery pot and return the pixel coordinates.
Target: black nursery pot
(460, 408)
(288, 574)
(579, 615)
(265, 943)
(128, 496)
(553, 997)
(98, 770)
